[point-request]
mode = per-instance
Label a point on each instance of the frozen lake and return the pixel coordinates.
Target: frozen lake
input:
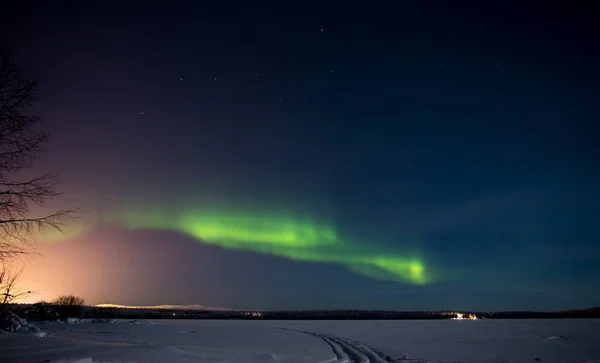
(447, 341)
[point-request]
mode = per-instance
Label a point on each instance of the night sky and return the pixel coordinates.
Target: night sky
(284, 155)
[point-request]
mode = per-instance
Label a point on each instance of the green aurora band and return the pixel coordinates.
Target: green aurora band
(276, 234)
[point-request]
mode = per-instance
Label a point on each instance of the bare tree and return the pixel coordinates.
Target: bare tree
(20, 146)
(68, 300)
(9, 292)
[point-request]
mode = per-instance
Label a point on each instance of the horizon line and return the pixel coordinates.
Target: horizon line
(224, 309)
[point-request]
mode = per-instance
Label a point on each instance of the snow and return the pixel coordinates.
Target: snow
(236, 341)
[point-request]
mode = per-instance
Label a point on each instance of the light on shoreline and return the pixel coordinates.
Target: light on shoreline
(461, 316)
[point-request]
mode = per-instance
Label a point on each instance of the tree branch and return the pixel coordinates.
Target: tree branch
(20, 146)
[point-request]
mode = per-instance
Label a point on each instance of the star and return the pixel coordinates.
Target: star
(215, 78)
(142, 114)
(321, 30)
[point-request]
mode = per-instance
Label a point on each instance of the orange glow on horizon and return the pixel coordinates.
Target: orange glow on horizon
(73, 267)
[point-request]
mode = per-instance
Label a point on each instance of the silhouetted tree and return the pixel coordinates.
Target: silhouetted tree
(20, 146)
(68, 306)
(9, 291)
(68, 300)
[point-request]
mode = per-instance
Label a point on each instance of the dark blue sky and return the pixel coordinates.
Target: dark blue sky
(467, 132)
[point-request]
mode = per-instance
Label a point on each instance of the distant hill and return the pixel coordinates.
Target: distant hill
(164, 307)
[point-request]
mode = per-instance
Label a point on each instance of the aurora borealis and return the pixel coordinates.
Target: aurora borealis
(274, 234)
(399, 156)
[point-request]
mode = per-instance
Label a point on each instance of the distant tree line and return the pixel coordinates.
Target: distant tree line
(107, 313)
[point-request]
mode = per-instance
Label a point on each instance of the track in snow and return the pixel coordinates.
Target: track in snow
(347, 351)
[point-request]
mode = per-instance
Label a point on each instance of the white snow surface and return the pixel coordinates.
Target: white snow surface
(236, 341)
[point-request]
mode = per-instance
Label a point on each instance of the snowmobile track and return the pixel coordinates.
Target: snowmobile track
(346, 350)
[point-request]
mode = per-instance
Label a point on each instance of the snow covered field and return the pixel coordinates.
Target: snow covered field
(447, 341)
